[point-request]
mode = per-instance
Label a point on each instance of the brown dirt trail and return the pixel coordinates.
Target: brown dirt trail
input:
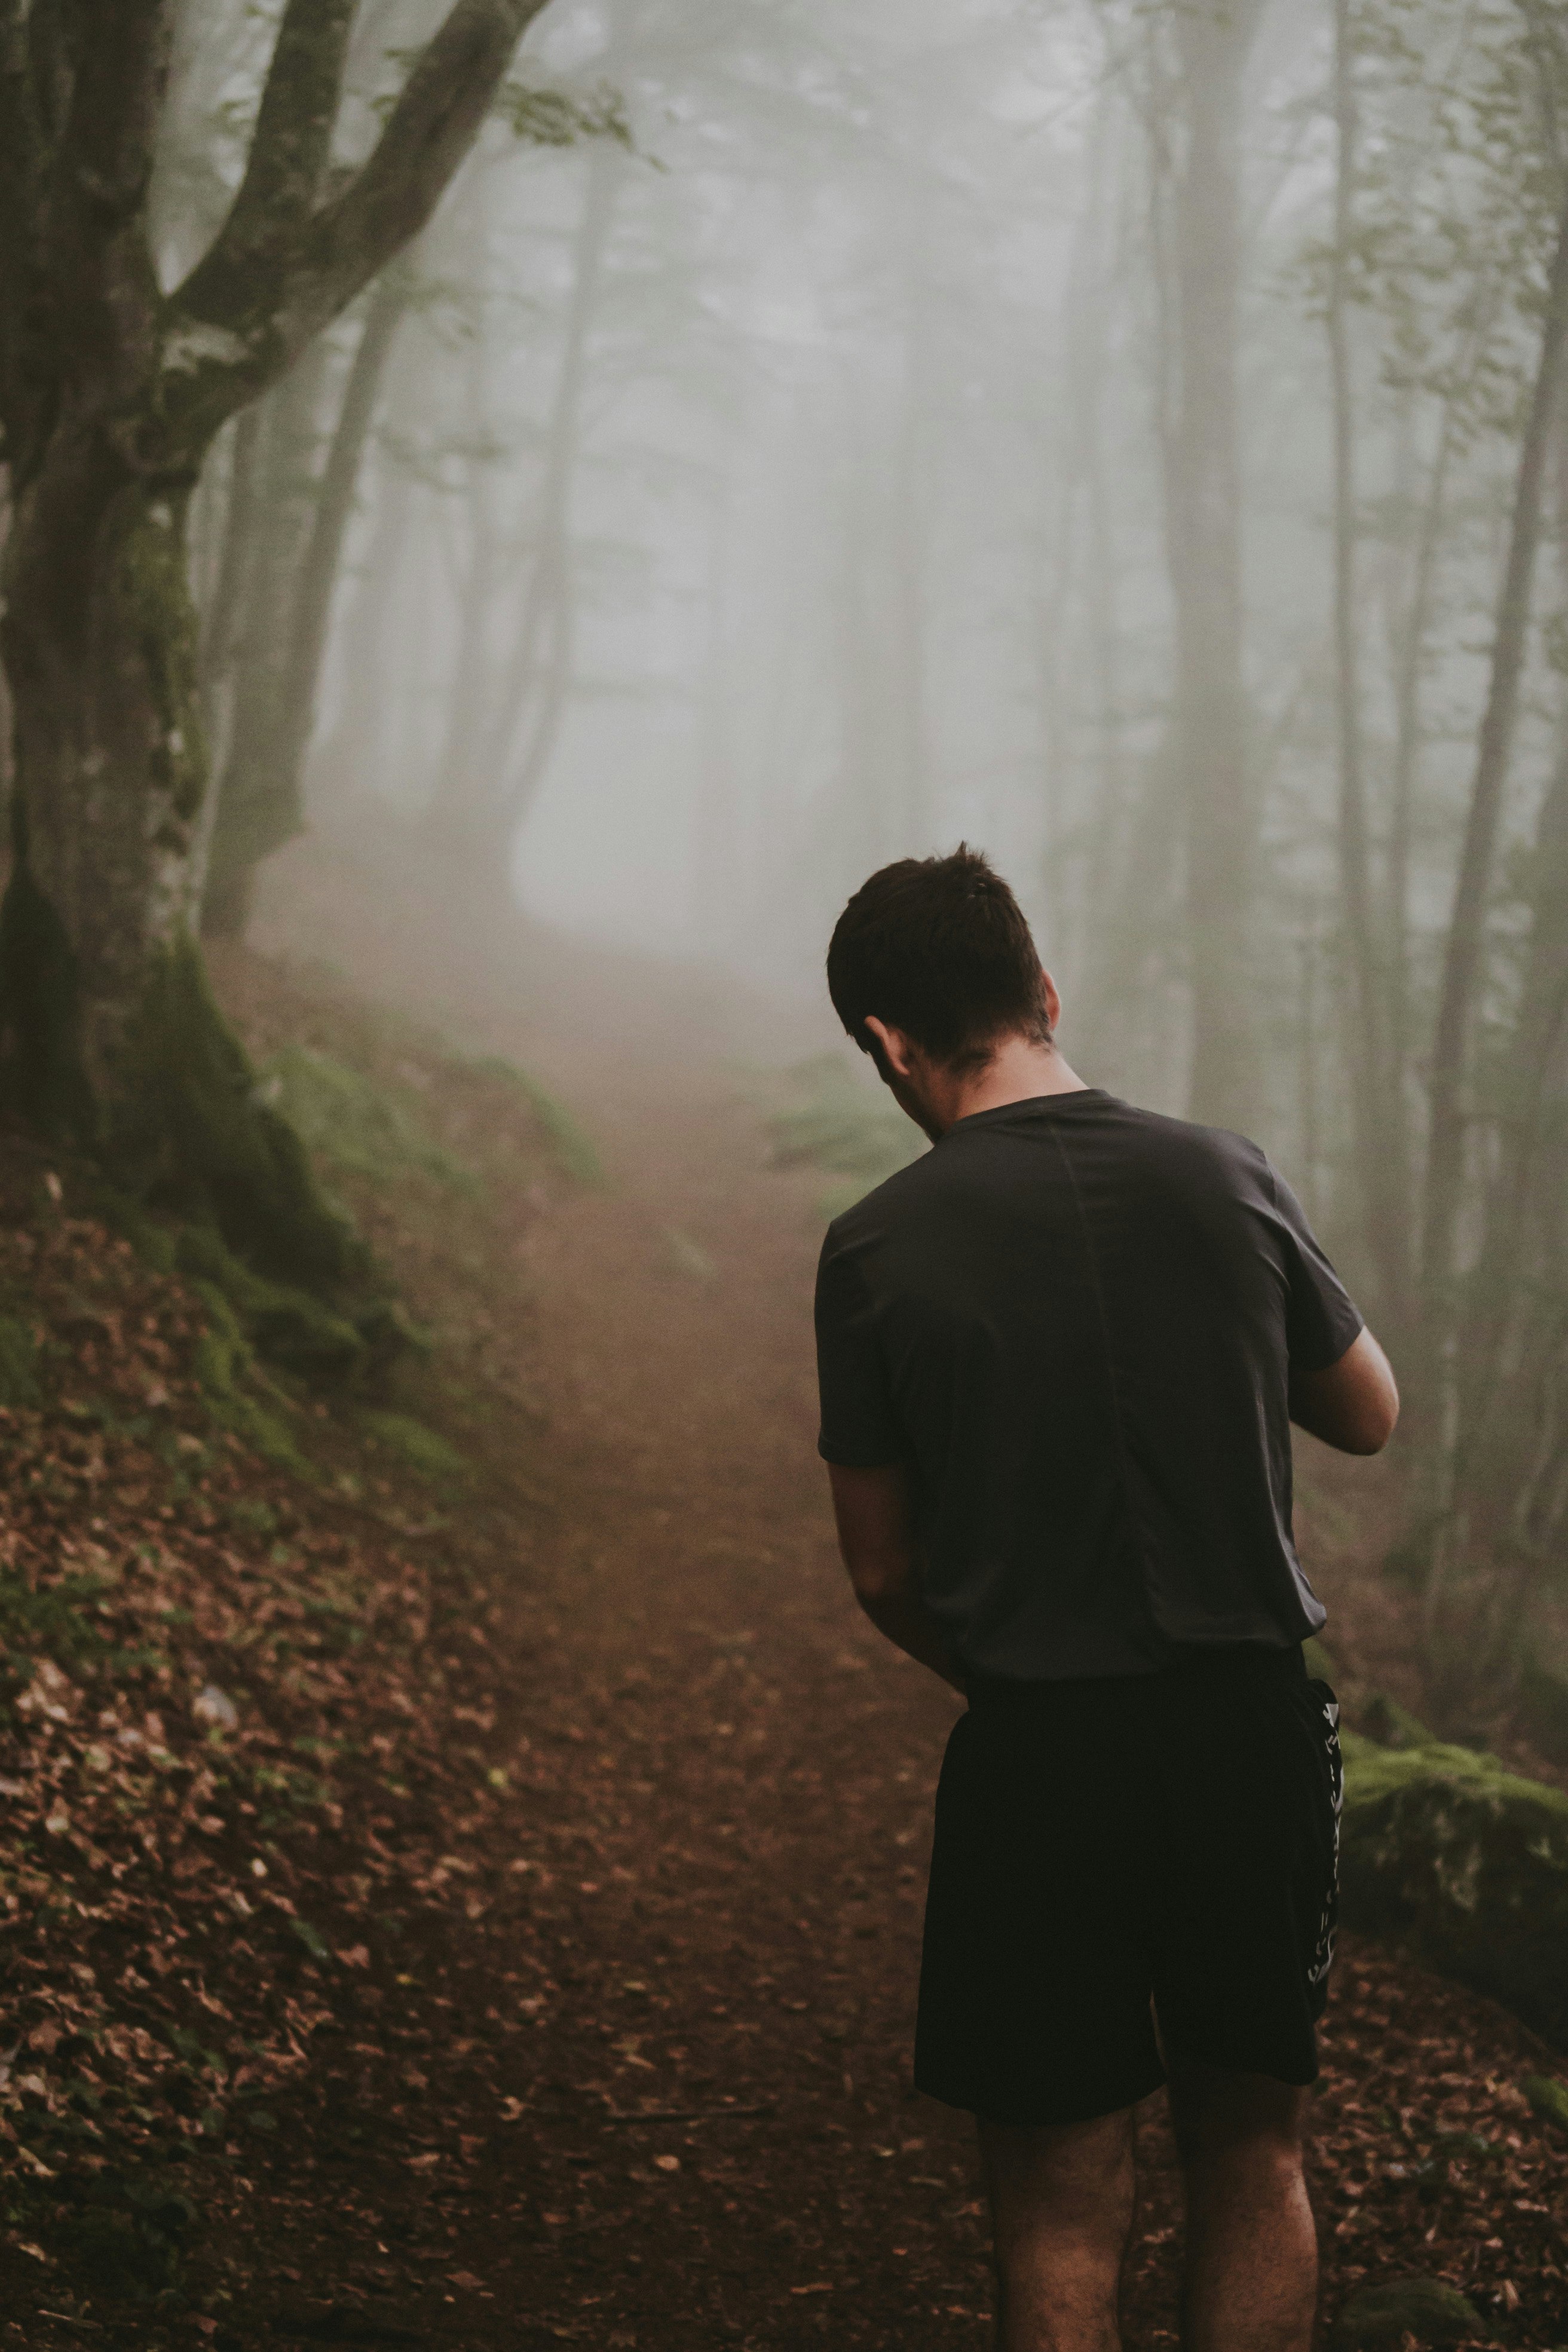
(734, 1780)
(727, 1783)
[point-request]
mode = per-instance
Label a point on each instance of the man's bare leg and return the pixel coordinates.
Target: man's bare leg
(1061, 2211)
(1251, 2283)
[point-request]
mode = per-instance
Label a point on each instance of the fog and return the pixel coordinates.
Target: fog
(637, 481)
(510, 511)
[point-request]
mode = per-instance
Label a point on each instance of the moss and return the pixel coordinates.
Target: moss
(1427, 2309)
(43, 1069)
(52, 1618)
(572, 1146)
(202, 1139)
(1466, 1864)
(421, 1449)
(150, 581)
(287, 1325)
(347, 1117)
(845, 1128)
(227, 1374)
(19, 1362)
(1548, 2100)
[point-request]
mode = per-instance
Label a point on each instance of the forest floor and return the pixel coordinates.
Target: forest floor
(582, 2010)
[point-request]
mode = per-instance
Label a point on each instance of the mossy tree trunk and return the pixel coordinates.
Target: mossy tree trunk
(110, 393)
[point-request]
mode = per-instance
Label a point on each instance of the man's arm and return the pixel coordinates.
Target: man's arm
(875, 1536)
(1351, 1405)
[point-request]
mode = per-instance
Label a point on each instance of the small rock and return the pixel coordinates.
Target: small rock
(1548, 2099)
(1378, 2317)
(215, 1708)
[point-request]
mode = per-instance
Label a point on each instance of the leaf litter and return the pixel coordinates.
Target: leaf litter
(508, 1932)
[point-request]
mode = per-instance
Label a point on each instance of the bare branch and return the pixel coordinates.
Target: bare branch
(293, 136)
(239, 322)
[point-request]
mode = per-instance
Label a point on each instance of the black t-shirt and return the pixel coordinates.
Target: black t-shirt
(1073, 1322)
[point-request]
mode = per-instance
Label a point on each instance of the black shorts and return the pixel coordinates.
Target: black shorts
(1113, 1852)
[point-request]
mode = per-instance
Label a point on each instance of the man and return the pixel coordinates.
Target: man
(1060, 1355)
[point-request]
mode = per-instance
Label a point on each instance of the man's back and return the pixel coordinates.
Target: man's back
(1074, 1323)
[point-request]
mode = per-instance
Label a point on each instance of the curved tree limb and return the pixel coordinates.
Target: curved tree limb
(241, 320)
(293, 140)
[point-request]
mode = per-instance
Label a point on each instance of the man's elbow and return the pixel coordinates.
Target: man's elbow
(1371, 1436)
(879, 1578)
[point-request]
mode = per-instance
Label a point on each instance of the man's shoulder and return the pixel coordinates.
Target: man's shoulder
(898, 1195)
(1186, 1143)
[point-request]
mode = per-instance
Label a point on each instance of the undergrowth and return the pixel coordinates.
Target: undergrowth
(839, 1124)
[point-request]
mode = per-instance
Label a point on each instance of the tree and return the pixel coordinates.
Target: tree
(111, 391)
(1376, 1107)
(1202, 491)
(260, 796)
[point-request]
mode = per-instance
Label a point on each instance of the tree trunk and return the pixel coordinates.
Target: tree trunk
(111, 392)
(1439, 1400)
(261, 803)
(248, 670)
(1381, 1144)
(117, 1042)
(541, 657)
(1462, 958)
(1204, 544)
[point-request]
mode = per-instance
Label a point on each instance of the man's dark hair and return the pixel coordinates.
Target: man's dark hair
(939, 947)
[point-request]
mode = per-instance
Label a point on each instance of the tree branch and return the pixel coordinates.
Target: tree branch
(293, 136)
(239, 321)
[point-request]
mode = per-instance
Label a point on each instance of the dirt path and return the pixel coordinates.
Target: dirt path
(729, 1781)
(533, 1959)
(732, 1780)
(616, 2051)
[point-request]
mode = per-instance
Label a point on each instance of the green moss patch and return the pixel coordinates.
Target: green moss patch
(1380, 2318)
(574, 1149)
(844, 1126)
(419, 1449)
(360, 1122)
(1466, 1864)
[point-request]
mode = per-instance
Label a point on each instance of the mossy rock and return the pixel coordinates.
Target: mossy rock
(1548, 2100)
(1467, 1865)
(1378, 2318)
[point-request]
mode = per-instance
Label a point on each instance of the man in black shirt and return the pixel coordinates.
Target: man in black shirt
(1060, 1355)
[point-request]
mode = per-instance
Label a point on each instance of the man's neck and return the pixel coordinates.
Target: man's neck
(1018, 1071)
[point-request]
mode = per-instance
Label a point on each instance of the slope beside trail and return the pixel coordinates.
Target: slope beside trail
(590, 1997)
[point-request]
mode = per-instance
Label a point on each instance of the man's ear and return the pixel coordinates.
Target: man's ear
(1053, 998)
(890, 1048)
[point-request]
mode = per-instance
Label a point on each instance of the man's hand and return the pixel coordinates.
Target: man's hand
(876, 1537)
(1351, 1405)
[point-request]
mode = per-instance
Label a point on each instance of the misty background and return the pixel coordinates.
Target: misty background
(1132, 439)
